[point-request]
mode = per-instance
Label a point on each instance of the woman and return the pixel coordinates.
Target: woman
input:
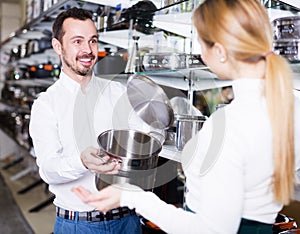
(240, 168)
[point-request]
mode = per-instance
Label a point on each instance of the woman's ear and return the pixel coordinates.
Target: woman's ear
(220, 52)
(56, 46)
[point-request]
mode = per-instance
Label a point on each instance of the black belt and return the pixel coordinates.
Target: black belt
(250, 226)
(95, 216)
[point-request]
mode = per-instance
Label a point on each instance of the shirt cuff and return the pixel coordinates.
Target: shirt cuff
(78, 164)
(130, 194)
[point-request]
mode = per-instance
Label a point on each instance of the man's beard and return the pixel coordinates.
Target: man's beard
(83, 71)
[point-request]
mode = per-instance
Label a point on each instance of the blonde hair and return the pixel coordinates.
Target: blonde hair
(243, 28)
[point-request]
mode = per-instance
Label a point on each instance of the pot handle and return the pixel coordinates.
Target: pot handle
(101, 155)
(158, 136)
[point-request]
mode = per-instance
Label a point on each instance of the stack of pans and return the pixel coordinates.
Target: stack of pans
(286, 33)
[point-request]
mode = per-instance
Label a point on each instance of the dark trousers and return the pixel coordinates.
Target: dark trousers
(254, 227)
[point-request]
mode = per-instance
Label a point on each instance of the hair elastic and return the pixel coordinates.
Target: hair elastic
(268, 53)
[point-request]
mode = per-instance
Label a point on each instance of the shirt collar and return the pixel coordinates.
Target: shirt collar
(247, 86)
(72, 85)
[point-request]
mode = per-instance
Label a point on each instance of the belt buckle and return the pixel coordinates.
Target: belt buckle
(89, 216)
(99, 217)
(108, 216)
(114, 214)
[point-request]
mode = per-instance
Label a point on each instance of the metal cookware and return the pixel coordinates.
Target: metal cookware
(44, 43)
(183, 106)
(186, 127)
(286, 33)
(110, 64)
(164, 61)
(288, 48)
(286, 27)
(149, 101)
(170, 61)
(138, 153)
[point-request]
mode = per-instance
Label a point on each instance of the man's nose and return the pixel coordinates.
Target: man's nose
(86, 47)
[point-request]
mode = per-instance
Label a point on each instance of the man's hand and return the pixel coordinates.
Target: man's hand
(99, 164)
(107, 198)
(104, 200)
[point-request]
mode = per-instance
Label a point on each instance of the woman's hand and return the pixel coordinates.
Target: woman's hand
(104, 200)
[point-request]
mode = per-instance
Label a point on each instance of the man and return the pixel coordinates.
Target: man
(65, 121)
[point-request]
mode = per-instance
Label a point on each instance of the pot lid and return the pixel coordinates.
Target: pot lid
(149, 101)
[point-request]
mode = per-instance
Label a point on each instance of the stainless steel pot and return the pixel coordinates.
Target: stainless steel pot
(138, 153)
(286, 28)
(164, 61)
(186, 127)
(110, 64)
(288, 48)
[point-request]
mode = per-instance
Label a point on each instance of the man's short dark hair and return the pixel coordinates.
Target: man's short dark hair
(75, 13)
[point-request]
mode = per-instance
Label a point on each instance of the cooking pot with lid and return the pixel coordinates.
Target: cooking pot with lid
(138, 153)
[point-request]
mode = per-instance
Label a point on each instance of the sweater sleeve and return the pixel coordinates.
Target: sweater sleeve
(168, 217)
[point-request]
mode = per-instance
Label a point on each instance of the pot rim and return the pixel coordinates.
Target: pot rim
(156, 152)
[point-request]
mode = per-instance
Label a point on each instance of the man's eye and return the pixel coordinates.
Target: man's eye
(77, 42)
(94, 41)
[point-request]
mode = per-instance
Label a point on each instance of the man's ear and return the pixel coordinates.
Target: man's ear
(220, 51)
(56, 46)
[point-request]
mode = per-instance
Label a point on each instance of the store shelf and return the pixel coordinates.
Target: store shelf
(39, 58)
(293, 3)
(202, 79)
(12, 43)
(277, 13)
(180, 24)
(43, 82)
(120, 38)
(114, 3)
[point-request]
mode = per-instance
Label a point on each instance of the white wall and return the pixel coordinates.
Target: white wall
(10, 18)
(10, 21)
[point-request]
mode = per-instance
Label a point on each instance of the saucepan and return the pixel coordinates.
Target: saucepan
(288, 48)
(188, 120)
(138, 153)
(187, 126)
(286, 28)
(286, 33)
(152, 104)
